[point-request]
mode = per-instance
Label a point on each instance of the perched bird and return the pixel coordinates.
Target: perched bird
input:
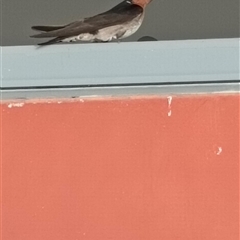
(117, 23)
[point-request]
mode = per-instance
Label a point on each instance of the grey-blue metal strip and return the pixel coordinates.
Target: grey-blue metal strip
(226, 88)
(120, 63)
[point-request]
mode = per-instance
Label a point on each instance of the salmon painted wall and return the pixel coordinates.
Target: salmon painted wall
(142, 168)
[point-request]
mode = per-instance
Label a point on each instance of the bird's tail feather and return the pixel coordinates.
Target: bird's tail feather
(52, 41)
(50, 34)
(46, 28)
(48, 31)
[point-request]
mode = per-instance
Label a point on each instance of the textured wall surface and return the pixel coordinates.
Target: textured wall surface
(165, 19)
(146, 168)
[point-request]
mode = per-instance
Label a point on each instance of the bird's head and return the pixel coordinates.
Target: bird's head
(141, 3)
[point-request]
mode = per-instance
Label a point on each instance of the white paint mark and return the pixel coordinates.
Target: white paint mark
(219, 151)
(59, 102)
(89, 96)
(81, 100)
(11, 105)
(169, 98)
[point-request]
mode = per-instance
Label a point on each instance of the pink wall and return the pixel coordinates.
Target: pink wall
(121, 169)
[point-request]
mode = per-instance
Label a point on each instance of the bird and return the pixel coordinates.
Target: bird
(119, 22)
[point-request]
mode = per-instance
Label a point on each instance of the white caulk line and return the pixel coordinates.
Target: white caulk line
(169, 98)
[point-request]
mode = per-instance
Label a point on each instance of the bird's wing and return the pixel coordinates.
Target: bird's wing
(122, 13)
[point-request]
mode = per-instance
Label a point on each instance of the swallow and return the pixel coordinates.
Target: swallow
(119, 22)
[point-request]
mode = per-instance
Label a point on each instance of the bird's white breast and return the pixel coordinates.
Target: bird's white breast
(133, 26)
